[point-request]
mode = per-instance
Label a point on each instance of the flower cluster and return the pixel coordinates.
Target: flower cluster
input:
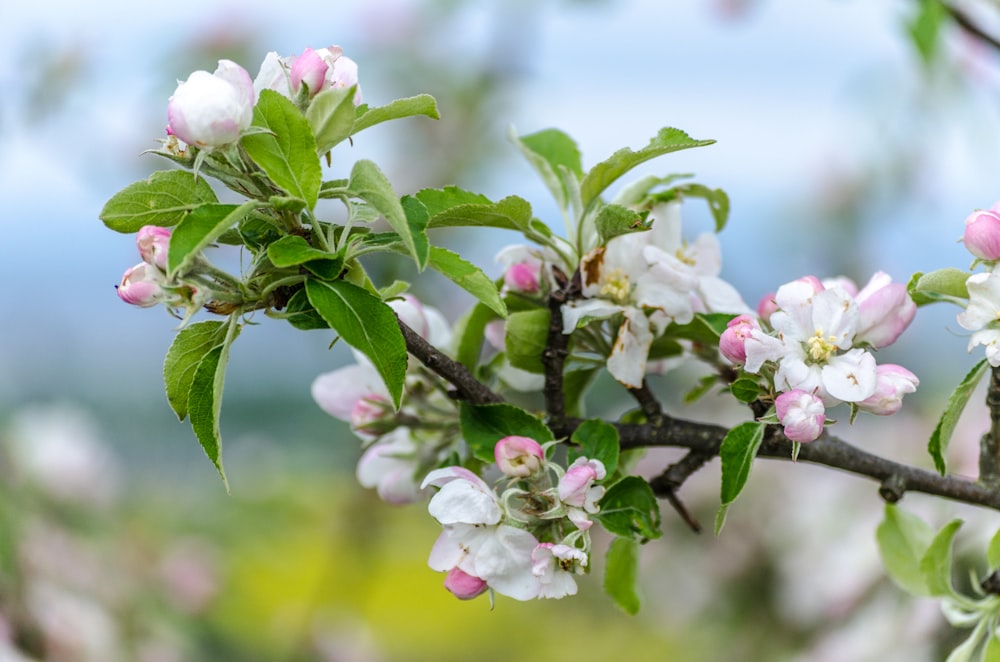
(982, 315)
(527, 541)
(212, 110)
(147, 284)
(647, 280)
(813, 343)
(400, 446)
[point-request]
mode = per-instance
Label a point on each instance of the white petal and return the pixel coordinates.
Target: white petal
(578, 313)
(503, 560)
(851, 377)
(721, 297)
(835, 314)
(337, 392)
(627, 362)
(464, 502)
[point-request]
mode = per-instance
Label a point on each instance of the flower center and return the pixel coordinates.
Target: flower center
(615, 285)
(685, 256)
(819, 348)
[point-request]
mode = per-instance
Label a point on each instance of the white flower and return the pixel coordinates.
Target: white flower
(390, 465)
(983, 314)
(212, 110)
(555, 565)
(474, 540)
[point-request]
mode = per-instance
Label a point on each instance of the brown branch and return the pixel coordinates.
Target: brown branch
(670, 481)
(989, 445)
(467, 387)
(968, 24)
(554, 358)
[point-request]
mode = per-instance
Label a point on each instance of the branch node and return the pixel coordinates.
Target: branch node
(892, 488)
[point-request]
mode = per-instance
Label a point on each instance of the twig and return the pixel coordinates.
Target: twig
(669, 482)
(967, 23)
(989, 445)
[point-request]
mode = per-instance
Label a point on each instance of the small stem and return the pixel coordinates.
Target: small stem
(989, 445)
(466, 385)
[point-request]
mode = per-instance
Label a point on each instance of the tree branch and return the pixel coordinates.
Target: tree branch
(967, 23)
(467, 387)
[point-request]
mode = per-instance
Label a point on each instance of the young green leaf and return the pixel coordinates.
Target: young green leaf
(936, 566)
(287, 150)
(186, 352)
(718, 201)
(163, 199)
(555, 156)
(946, 284)
(467, 276)
(738, 450)
(199, 229)
(576, 383)
(371, 185)
(597, 440)
(511, 213)
(484, 425)
(621, 574)
(470, 331)
(205, 398)
(993, 552)
(301, 314)
(331, 117)
(629, 509)
(439, 200)
(422, 104)
(365, 323)
(293, 250)
(526, 338)
(605, 173)
(925, 28)
(938, 443)
(903, 539)
(991, 652)
(745, 389)
(615, 220)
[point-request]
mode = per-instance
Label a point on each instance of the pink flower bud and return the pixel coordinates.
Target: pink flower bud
(309, 69)
(982, 234)
(732, 343)
(212, 110)
(518, 457)
(140, 286)
(892, 383)
(522, 277)
(153, 243)
(576, 485)
(885, 310)
(766, 307)
(802, 415)
(463, 585)
(367, 410)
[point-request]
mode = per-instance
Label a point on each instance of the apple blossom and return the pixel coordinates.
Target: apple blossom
(523, 267)
(732, 343)
(766, 307)
(555, 565)
(893, 382)
(350, 394)
(518, 457)
(885, 311)
(474, 539)
(141, 286)
(576, 489)
(212, 110)
(389, 465)
(982, 315)
(463, 585)
(802, 415)
(321, 69)
(153, 243)
(427, 321)
(308, 69)
(982, 234)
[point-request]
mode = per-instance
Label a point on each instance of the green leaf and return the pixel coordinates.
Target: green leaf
(925, 28)
(163, 199)
(331, 116)
(439, 200)
(615, 220)
(470, 331)
(738, 450)
(422, 104)
(199, 229)
(993, 552)
(621, 574)
(555, 156)
(576, 383)
(630, 510)
(935, 565)
(942, 285)
(288, 152)
(964, 652)
(938, 443)
(597, 440)
(484, 425)
(365, 323)
(607, 172)
(718, 201)
(511, 213)
(371, 185)
(292, 250)
(191, 344)
(704, 385)
(705, 328)
(903, 540)
(205, 399)
(745, 389)
(467, 276)
(301, 315)
(991, 653)
(526, 338)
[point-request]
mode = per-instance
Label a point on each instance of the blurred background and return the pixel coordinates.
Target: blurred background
(848, 142)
